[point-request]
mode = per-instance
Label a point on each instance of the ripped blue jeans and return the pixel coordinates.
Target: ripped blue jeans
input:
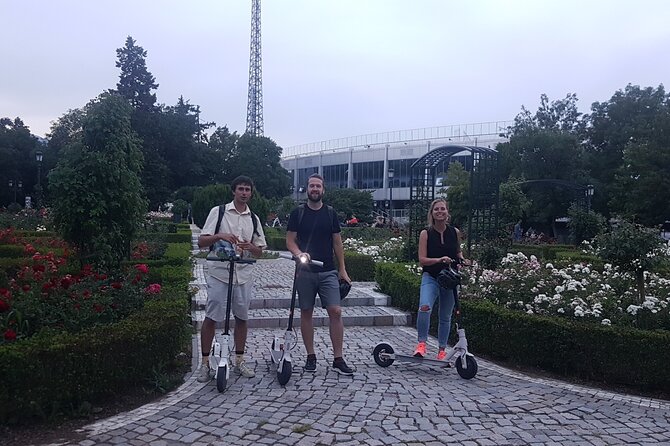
(430, 290)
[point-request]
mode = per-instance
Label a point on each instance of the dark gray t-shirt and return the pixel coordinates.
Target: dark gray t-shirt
(315, 235)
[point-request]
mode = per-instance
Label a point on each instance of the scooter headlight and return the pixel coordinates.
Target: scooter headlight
(303, 258)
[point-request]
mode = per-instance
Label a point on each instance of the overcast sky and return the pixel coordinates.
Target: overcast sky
(334, 68)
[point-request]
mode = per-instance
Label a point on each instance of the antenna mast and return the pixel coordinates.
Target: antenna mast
(255, 100)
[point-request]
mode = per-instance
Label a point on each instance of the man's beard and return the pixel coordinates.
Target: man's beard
(318, 198)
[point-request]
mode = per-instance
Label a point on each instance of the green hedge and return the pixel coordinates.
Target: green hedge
(57, 372)
(22, 233)
(12, 251)
(360, 267)
(613, 355)
(545, 252)
(276, 242)
(168, 237)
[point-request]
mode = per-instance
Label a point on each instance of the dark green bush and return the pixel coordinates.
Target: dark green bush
(603, 353)
(12, 251)
(56, 372)
(276, 242)
(360, 267)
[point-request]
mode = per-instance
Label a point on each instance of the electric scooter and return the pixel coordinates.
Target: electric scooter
(280, 351)
(219, 357)
(465, 362)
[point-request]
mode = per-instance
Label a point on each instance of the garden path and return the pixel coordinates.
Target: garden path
(405, 404)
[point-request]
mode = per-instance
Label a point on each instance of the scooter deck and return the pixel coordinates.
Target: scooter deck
(420, 359)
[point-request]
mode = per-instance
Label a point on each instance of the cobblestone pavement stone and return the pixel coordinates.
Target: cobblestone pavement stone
(404, 404)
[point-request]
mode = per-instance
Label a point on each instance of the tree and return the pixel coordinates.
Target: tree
(632, 248)
(348, 202)
(626, 120)
(98, 202)
(584, 225)
(17, 157)
(458, 194)
(259, 158)
(135, 82)
(514, 204)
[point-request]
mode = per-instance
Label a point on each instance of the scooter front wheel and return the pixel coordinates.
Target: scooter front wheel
(383, 361)
(284, 374)
(470, 371)
(221, 378)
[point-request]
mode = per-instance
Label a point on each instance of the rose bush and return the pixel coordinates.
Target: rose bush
(579, 291)
(43, 294)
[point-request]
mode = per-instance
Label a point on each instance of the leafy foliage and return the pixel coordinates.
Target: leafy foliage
(98, 203)
(632, 248)
(584, 225)
(458, 180)
(348, 202)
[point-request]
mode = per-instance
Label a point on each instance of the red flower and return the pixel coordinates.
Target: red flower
(10, 335)
(154, 288)
(77, 306)
(98, 308)
(4, 306)
(26, 287)
(66, 281)
(86, 294)
(143, 268)
(116, 285)
(38, 268)
(4, 292)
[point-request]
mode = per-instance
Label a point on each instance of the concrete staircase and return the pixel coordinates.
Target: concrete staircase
(270, 307)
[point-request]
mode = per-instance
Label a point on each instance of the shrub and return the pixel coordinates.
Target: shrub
(57, 372)
(361, 268)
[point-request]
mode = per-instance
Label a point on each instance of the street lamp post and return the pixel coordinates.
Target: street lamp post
(589, 194)
(390, 175)
(38, 188)
(16, 185)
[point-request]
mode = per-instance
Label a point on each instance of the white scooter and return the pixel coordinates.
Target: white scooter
(280, 350)
(465, 362)
(219, 357)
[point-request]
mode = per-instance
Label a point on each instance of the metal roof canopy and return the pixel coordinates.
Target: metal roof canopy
(484, 184)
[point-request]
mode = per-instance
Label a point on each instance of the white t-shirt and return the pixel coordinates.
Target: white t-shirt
(241, 225)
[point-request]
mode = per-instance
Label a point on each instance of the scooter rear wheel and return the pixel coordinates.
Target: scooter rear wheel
(379, 349)
(221, 378)
(284, 374)
(466, 373)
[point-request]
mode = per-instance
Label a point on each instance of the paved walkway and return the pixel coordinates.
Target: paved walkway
(405, 404)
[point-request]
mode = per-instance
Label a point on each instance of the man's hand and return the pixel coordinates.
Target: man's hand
(231, 238)
(344, 276)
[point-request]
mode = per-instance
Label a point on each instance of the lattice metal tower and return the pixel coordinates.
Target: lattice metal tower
(255, 101)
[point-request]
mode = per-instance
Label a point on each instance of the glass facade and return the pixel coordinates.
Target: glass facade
(369, 175)
(336, 176)
(303, 175)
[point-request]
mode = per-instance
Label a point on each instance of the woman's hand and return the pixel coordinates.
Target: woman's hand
(445, 259)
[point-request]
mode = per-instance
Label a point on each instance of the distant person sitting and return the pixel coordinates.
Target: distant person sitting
(353, 221)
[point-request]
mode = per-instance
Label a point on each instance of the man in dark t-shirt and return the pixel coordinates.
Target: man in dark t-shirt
(313, 229)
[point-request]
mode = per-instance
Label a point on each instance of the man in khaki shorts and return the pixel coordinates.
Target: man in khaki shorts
(237, 227)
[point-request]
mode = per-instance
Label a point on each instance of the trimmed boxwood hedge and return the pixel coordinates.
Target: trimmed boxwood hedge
(56, 372)
(360, 267)
(613, 355)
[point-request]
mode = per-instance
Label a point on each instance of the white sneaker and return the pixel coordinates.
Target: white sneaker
(244, 370)
(204, 373)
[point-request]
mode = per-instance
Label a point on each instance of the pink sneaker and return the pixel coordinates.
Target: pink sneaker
(441, 355)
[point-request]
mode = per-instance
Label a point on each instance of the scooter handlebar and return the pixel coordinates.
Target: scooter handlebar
(235, 259)
(290, 256)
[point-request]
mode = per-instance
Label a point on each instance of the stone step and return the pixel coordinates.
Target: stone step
(352, 316)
